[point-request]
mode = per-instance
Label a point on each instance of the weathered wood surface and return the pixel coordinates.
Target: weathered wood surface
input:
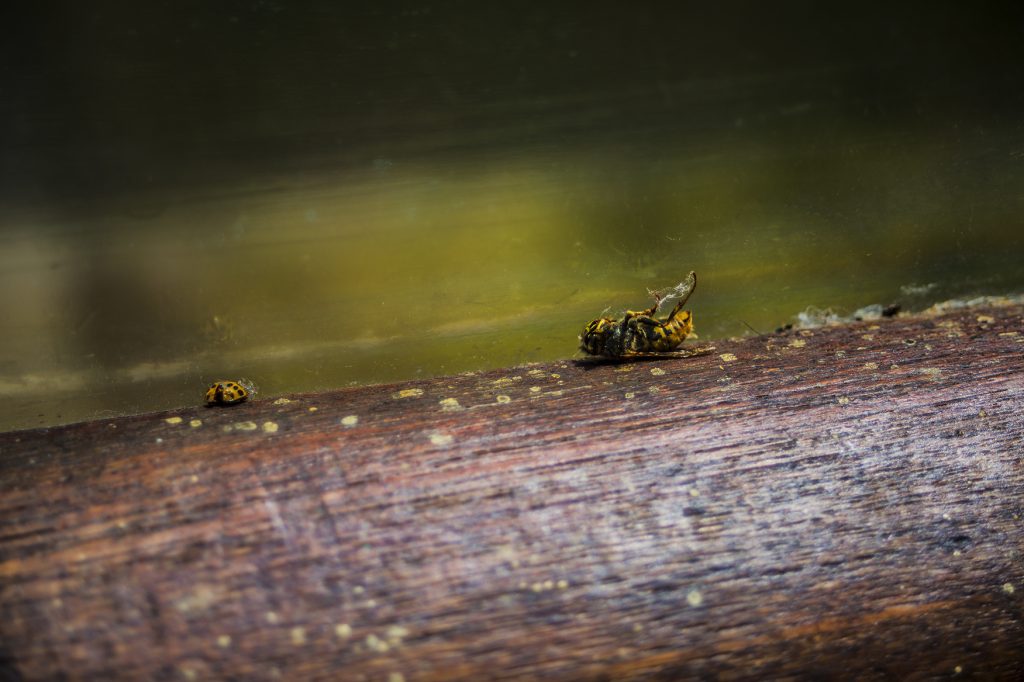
(844, 502)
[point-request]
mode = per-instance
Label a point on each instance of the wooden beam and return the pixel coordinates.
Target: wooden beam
(838, 502)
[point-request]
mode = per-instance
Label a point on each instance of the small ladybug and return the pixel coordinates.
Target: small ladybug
(226, 393)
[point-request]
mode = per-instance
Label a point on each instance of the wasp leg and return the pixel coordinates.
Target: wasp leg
(626, 322)
(646, 319)
(634, 318)
(676, 309)
(649, 312)
(691, 285)
(679, 316)
(647, 326)
(653, 309)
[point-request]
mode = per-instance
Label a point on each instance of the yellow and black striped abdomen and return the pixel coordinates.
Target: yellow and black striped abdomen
(669, 334)
(679, 326)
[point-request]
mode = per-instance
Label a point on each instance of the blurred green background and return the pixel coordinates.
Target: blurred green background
(315, 195)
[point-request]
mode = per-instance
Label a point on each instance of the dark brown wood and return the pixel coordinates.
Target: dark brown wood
(839, 502)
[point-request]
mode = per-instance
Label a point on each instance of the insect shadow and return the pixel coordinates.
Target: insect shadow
(589, 362)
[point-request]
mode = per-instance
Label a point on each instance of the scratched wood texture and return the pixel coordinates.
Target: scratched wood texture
(846, 502)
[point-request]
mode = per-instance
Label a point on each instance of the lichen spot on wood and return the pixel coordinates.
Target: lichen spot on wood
(933, 373)
(727, 357)
(408, 393)
(657, 371)
(282, 401)
(630, 395)
(1008, 588)
(441, 438)
(343, 630)
(502, 399)
(349, 421)
(450, 405)
(224, 641)
(173, 420)
(375, 643)
(694, 598)
(198, 601)
(395, 634)
(871, 365)
(797, 343)
(298, 636)
(396, 677)
(196, 423)
(269, 427)
(246, 426)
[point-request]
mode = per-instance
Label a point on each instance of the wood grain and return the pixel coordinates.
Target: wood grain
(840, 502)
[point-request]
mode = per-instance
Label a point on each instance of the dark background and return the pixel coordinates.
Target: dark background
(101, 99)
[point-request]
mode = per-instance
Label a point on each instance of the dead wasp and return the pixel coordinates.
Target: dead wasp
(640, 333)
